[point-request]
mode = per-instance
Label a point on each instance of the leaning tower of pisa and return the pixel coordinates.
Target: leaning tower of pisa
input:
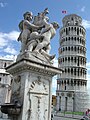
(72, 83)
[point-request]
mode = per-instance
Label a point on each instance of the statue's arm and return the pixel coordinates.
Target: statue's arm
(46, 30)
(30, 25)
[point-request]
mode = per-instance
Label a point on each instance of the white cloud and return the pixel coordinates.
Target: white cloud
(88, 75)
(3, 4)
(83, 9)
(88, 64)
(55, 62)
(9, 57)
(10, 50)
(86, 24)
(6, 37)
(54, 80)
(3, 41)
(13, 35)
(6, 41)
(54, 85)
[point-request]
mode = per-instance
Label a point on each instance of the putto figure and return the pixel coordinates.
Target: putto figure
(26, 29)
(48, 33)
(35, 37)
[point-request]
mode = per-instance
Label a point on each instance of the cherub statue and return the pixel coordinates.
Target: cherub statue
(48, 33)
(41, 18)
(26, 29)
(35, 37)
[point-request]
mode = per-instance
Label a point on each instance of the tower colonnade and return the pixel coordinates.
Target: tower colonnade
(72, 83)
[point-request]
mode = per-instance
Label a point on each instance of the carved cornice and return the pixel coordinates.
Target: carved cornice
(26, 64)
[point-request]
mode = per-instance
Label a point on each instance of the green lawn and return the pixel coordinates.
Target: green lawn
(74, 113)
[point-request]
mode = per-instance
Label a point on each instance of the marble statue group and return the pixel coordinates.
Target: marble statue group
(31, 84)
(36, 34)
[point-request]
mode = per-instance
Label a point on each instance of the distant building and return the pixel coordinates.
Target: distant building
(5, 82)
(72, 83)
(53, 100)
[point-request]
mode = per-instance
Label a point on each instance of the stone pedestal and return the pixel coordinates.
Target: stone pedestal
(31, 89)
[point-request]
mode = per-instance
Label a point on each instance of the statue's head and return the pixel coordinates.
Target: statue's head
(46, 11)
(55, 25)
(28, 16)
(47, 18)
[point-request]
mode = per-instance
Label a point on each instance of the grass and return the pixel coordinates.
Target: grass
(74, 113)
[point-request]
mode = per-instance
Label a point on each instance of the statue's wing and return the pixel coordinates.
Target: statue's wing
(21, 25)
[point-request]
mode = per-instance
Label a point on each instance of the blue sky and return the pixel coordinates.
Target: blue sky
(11, 13)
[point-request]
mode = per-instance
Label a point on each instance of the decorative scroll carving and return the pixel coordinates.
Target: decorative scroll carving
(39, 82)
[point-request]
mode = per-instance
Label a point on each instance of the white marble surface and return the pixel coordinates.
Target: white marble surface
(35, 88)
